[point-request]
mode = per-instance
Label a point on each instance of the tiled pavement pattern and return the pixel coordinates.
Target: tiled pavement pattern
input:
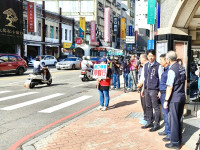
(109, 130)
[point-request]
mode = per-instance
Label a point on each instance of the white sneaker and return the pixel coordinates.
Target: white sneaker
(104, 108)
(99, 108)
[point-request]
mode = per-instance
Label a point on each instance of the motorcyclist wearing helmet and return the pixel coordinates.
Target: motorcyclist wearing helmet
(38, 68)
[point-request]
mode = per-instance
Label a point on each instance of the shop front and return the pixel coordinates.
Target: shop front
(68, 49)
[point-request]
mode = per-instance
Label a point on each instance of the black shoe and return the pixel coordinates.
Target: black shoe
(162, 133)
(147, 126)
(166, 139)
(172, 146)
(155, 128)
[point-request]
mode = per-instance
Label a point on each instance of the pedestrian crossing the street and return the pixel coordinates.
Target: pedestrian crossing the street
(36, 101)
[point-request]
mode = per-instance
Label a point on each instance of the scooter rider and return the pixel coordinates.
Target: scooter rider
(38, 68)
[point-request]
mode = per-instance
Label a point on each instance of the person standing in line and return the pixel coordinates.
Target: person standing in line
(133, 70)
(175, 99)
(152, 74)
(143, 60)
(162, 94)
(126, 70)
(103, 88)
(116, 74)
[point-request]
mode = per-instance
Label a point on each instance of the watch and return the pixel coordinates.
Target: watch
(166, 100)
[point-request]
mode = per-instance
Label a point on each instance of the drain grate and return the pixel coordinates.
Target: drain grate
(135, 115)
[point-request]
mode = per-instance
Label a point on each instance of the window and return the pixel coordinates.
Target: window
(46, 27)
(4, 58)
(57, 32)
(66, 34)
(12, 58)
(25, 27)
(39, 28)
(51, 32)
(70, 35)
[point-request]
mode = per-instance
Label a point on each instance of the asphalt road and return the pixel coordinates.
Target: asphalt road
(24, 111)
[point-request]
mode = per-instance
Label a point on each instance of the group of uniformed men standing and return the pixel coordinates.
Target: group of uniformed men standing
(167, 82)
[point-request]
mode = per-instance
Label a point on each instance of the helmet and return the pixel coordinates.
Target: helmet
(88, 57)
(84, 57)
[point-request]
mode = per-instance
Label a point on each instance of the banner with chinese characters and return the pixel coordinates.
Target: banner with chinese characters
(123, 31)
(100, 71)
(68, 45)
(107, 24)
(11, 22)
(82, 27)
(92, 31)
(31, 10)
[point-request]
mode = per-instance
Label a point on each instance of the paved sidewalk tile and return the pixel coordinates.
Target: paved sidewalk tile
(106, 130)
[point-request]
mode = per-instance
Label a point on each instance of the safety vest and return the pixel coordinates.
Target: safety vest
(105, 82)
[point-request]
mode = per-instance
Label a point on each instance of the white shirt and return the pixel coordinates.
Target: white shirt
(84, 64)
(37, 65)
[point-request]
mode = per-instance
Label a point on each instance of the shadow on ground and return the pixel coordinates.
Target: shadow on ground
(124, 103)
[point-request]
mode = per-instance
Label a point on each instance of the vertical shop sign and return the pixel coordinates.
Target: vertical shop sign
(130, 31)
(151, 12)
(82, 27)
(115, 25)
(123, 32)
(31, 17)
(92, 31)
(107, 24)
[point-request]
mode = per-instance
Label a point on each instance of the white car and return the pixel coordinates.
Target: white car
(69, 63)
(45, 60)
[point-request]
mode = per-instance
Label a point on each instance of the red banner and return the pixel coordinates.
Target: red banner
(31, 17)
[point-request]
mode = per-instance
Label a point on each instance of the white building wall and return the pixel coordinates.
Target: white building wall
(141, 9)
(68, 28)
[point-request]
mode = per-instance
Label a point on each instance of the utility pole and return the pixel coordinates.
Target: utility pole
(43, 27)
(22, 45)
(60, 32)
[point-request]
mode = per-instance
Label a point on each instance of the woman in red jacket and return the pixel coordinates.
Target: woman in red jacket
(103, 88)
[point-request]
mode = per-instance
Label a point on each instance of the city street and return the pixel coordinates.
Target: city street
(24, 111)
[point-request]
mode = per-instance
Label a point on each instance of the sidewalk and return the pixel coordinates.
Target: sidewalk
(115, 129)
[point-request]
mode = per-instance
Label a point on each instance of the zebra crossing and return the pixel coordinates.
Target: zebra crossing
(37, 101)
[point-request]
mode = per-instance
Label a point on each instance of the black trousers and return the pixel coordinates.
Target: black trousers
(143, 103)
(151, 99)
(176, 120)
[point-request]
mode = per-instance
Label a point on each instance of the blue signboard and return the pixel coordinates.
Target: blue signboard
(130, 33)
(158, 16)
(150, 44)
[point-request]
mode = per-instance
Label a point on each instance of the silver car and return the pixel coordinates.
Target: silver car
(69, 63)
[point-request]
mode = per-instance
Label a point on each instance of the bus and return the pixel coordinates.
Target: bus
(105, 51)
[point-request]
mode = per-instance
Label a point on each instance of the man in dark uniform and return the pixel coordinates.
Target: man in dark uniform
(175, 94)
(152, 73)
(162, 94)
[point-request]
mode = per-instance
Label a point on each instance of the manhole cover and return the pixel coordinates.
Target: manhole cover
(135, 115)
(84, 91)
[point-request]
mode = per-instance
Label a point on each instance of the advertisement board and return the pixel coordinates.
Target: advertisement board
(11, 22)
(82, 27)
(115, 25)
(130, 30)
(92, 31)
(130, 39)
(151, 12)
(150, 44)
(123, 31)
(107, 24)
(68, 45)
(31, 10)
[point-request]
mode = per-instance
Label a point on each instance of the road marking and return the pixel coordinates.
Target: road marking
(2, 92)
(32, 102)
(63, 105)
(77, 85)
(16, 96)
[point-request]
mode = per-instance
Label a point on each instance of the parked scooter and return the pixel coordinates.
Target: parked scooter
(36, 79)
(86, 75)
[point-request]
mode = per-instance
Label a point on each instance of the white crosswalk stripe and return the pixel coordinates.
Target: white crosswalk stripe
(16, 96)
(32, 102)
(2, 92)
(64, 105)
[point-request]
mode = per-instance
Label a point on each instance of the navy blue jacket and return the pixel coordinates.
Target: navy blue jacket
(151, 76)
(178, 93)
(163, 80)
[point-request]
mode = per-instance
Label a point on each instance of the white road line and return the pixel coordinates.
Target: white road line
(2, 92)
(77, 85)
(16, 96)
(63, 105)
(31, 102)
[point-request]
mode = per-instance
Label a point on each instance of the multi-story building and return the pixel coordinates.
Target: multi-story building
(33, 43)
(94, 10)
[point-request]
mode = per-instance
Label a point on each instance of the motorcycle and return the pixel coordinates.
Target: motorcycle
(37, 78)
(86, 75)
